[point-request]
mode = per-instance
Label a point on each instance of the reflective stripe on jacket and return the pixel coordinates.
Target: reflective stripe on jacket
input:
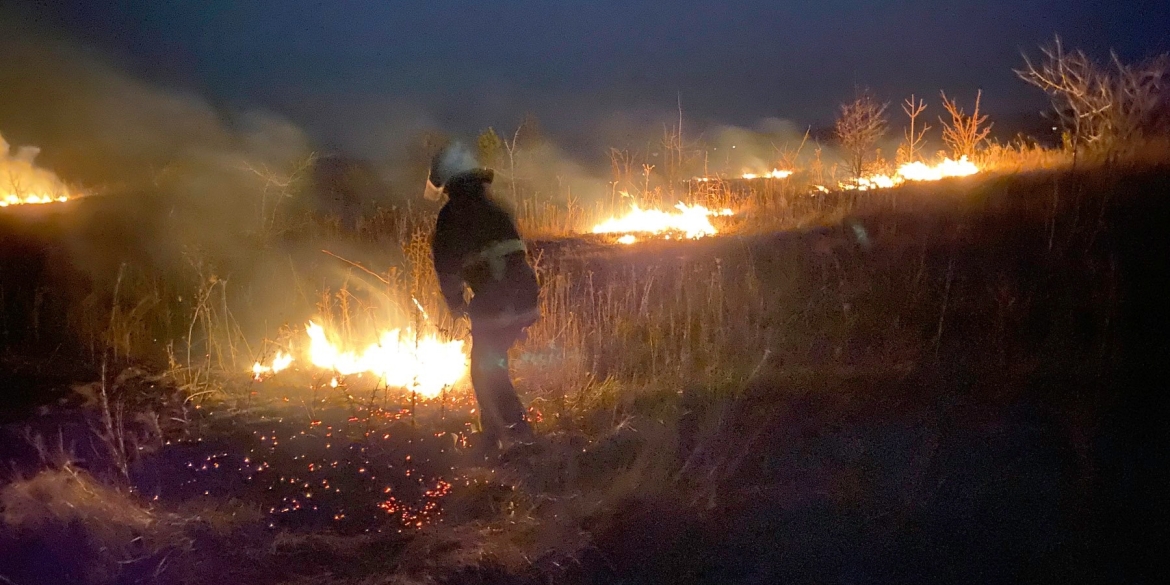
(476, 243)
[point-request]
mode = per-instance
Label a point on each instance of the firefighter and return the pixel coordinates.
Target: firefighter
(476, 243)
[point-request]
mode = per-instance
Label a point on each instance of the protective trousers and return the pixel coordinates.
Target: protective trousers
(500, 413)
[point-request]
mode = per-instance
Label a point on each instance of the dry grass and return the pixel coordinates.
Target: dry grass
(1022, 156)
(669, 378)
(668, 316)
(207, 320)
(86, 531)
(651, 326)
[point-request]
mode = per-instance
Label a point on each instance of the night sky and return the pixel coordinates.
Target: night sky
(340, 68)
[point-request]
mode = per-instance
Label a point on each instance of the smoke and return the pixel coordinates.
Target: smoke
(21, 181)
(772, 143)
(547, 173)
(179, 189)
(184, 186)
(166, 158)
(627, 144)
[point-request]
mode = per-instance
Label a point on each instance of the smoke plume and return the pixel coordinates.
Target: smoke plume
(22, 182)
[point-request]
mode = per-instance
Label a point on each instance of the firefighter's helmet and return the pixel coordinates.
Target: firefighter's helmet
(448, 163)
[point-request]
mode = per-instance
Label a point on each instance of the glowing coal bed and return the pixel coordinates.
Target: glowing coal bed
(312, 465)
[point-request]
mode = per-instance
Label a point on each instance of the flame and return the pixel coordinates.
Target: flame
(915, 171)
(23, 183)
(30, 199)
(627, 239)
(693, 221)
(918, 171)
(279, 363)
(873, 182)
(772, 174)
(426, 365)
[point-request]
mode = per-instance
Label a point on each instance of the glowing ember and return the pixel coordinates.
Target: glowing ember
(627, 239)
(424, 364)
(693, 221)
(23, 183)
(915, 171)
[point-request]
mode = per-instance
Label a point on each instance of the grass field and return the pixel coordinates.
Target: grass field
(943, 382)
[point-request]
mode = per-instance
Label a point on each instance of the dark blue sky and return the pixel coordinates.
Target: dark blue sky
(336, 67)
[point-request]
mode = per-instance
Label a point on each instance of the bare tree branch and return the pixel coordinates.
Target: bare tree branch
(913, 135)
(1101, 108)
(965, 133)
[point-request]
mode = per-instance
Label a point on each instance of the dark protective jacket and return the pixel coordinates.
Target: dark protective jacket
(476, 242)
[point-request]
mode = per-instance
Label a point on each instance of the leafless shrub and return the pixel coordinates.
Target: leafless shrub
(860, 125)
(279, 186)
(913, 135)
(965, 133)
(1100, 108)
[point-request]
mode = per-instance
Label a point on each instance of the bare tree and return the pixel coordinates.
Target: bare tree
(860, 125)
(913, 135)
(965, 133)
(511, 150)
(1141, 97)
(278, 187)
(1099, 108)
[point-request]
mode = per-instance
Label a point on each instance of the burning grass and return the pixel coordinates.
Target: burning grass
(858, 376)
(914, 171)
(688, 385)
(24, 183)
(689, 221)
(751, 176)
(400, 359)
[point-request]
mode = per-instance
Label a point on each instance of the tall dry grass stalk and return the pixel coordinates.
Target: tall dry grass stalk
(654, 328)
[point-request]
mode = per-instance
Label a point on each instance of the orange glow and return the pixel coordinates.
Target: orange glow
(915, 171)
(426, 364)
(279, 363)
(24, 183)
(772, 174)
(691, 221)
(748, 175)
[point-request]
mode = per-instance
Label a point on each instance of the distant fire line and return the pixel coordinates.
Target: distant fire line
(689, 221)
(750, 176)
(915, 171)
